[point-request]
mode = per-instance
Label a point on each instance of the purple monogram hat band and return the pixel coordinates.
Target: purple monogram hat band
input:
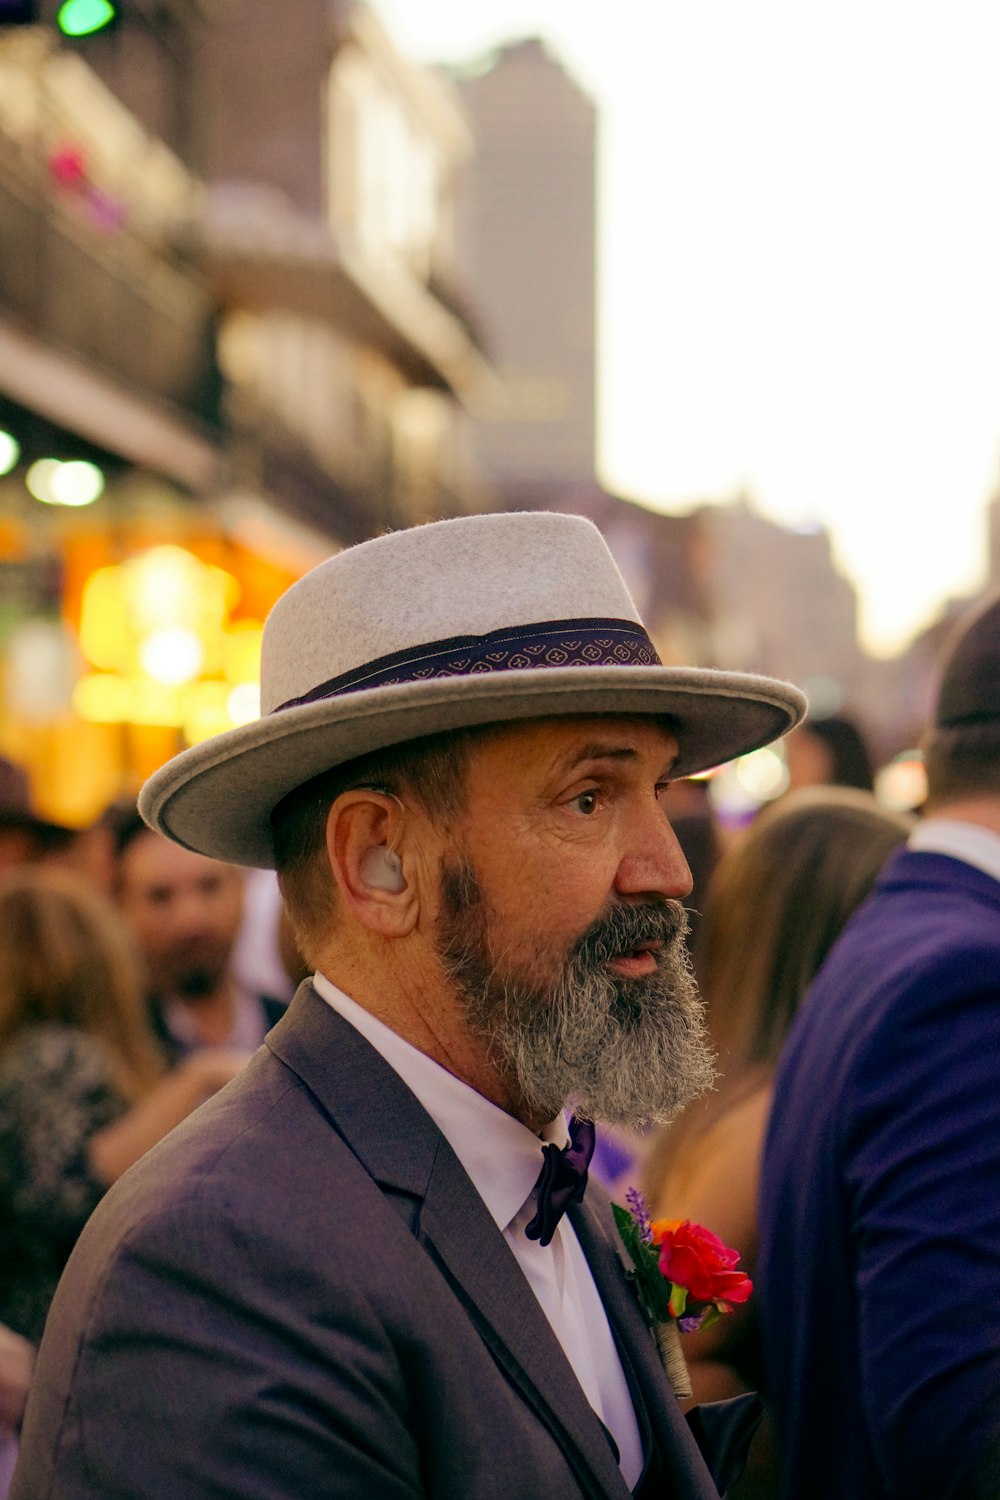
(552, 643)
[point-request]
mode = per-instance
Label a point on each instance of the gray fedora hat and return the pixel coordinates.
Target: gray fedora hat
(471, 621)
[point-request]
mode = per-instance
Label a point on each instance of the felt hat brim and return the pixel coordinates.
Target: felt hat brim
(217, 797)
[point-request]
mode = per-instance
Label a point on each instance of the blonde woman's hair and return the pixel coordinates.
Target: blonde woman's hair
(777, 901)
(66, 960)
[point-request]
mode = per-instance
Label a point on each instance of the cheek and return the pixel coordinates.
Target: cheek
(149, 925)
(580, 873)
(228, 914)
(548, 906)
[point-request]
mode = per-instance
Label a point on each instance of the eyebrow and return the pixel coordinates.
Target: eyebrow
(599, 751)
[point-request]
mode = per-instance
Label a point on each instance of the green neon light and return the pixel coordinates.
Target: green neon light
(84, 17)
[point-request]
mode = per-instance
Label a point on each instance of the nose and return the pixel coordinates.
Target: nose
(653, 862)
(191, 916)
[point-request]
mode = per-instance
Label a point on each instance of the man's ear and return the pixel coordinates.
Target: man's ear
(373, 875)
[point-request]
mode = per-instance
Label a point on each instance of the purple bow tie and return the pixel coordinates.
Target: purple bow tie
(562, 1180)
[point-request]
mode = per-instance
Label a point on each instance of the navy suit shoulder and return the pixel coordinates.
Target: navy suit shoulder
(880, 1196)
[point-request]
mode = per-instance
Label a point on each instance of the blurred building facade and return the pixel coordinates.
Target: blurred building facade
(225, 252)
(720, 585)
(250, 261)
(777, 600)
(527, 245)
(108, 395)
(326, 237)
(329, 244)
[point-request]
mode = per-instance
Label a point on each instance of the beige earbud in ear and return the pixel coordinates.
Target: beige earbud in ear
(382, 869)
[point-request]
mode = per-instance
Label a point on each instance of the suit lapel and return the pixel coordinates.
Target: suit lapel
(404, 1152)
(678, 1450)
(477, 1260)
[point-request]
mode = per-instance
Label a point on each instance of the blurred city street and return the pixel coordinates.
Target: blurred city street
(267, 290)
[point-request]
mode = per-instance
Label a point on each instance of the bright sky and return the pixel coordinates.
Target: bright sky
(800, 263)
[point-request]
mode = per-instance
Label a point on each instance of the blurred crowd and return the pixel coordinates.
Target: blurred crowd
(136, 977)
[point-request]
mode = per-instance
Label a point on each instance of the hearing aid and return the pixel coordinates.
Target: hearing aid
(381, 867)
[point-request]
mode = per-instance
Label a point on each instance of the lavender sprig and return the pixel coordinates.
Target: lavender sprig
(639, 1209)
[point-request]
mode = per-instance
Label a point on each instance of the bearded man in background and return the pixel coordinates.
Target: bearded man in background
(184, 912)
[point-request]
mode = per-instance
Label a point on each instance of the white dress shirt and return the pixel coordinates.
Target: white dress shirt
(970, 842)
(503, 1158)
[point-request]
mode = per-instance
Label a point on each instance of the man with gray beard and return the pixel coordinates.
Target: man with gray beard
(368, 1267)
(626, 1051)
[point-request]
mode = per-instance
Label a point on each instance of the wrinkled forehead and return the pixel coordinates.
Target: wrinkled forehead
(528, 753)
(576, 733)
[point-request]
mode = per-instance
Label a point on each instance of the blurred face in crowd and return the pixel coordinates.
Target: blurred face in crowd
(809, 760)
(17, 847)
(560, 921)
(184, 911)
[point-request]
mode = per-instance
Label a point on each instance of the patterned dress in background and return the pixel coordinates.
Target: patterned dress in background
(56, 1092)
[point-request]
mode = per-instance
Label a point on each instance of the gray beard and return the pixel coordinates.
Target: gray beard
(196, 982)
(632, 1052)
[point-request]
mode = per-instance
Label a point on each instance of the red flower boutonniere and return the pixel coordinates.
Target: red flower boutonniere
(684, 1277)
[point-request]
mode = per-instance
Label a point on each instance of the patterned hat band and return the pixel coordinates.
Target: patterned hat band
(550, 643)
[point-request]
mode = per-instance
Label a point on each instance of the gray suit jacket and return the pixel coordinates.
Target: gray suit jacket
(299, 1295)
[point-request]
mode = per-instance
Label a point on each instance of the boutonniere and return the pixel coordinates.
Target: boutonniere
(684, 1277)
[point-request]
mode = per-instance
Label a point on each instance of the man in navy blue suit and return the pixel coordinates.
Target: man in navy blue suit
(880, 1232)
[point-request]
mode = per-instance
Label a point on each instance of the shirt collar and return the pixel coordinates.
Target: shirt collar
(970, 842)
(501, 1156)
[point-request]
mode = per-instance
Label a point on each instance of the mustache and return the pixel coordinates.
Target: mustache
(627, 925)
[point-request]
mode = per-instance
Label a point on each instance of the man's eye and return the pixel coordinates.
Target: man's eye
(586, 802)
